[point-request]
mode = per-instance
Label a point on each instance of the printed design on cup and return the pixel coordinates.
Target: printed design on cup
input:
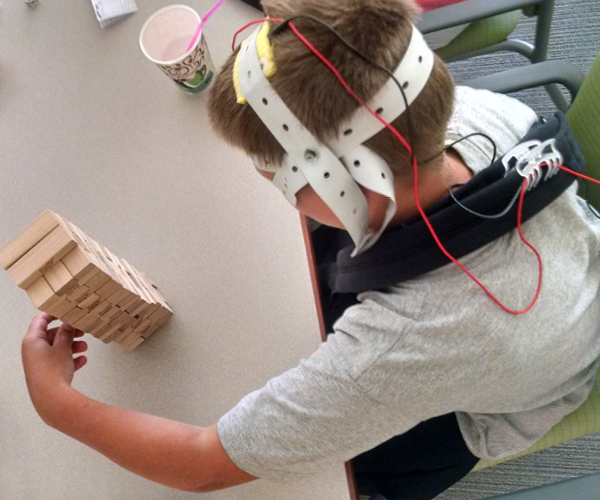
(188, 69)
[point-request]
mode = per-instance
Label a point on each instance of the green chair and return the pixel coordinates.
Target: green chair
(584, 120)
(492, 21)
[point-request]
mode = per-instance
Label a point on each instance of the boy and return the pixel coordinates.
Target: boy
(420, 378)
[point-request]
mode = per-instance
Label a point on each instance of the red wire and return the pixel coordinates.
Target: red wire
(578, 174)
(416, 195)
(278, 19)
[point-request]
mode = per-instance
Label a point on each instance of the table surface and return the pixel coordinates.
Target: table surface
(92, 130)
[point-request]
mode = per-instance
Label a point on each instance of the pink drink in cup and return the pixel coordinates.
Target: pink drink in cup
(165, 38)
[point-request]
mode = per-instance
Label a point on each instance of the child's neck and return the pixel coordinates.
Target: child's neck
(434, 182)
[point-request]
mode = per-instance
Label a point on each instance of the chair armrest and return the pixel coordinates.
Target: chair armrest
(527, 77)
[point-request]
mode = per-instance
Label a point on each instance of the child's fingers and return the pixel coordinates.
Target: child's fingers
(38, 326)
(78, 333)
(64, 336)
(79, 346)
(79, 362)
(47, 317)
(51, 333)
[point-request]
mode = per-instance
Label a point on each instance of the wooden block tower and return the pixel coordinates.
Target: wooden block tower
(77, 280)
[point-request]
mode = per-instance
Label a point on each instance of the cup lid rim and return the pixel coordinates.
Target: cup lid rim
(185, 54)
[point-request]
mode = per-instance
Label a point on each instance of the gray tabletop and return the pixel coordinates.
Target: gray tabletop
(92, 130)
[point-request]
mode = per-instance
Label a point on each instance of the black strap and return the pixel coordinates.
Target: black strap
(408, 251)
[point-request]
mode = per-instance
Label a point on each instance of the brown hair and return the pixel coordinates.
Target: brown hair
(381, 30)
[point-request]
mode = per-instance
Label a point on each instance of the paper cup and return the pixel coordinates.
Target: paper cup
(164, 40)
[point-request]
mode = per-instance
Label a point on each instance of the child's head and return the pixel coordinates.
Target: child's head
(380, 29)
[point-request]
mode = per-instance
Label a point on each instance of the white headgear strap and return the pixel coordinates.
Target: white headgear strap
(335, 170)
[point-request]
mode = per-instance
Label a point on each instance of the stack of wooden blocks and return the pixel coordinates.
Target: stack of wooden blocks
(75, 279)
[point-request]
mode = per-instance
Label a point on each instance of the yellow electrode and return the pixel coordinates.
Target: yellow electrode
(265, 56)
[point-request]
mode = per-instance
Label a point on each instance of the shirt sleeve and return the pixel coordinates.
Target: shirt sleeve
(312, 416)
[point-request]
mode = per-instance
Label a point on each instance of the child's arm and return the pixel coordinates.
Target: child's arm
(175, 454)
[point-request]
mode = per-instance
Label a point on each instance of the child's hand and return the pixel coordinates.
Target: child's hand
(48, 362)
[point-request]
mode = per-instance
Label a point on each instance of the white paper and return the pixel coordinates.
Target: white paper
(110, 11)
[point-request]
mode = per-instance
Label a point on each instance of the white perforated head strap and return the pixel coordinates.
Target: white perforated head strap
(306, 157)
(412, 73)
(335, 170)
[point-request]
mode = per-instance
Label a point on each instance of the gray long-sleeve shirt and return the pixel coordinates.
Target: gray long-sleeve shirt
(438, 344)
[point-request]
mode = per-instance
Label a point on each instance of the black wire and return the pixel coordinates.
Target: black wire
(462, 139)
(281, 26)
(485, 216)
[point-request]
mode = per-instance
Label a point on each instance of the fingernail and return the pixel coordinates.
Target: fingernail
(68, 327)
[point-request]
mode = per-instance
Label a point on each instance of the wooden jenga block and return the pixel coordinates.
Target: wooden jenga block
(164, 318)
(104, 309)
(106, 332)
(61, 308)
(141, 280)
(123, 334)
(79, 295)
(104, 319)
(130, 339)
(73, 315)
(98, 280)
(126, 323)
(108, 289)
(75, 279)
(41, 294)
(137, 325)
(131, 299)
(28, 238)
(144, 328)
(94, 325)
(155, 326)
(149, 310)
(160, 314)
(145, 294)
(133, 345)
(59, 278)
(137, 307)
(118, 296)
(79, 263)
(91, 303)
(86, 322)
(41, 257)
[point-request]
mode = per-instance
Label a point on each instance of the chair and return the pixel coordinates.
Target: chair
(584, 119)
(492, 22)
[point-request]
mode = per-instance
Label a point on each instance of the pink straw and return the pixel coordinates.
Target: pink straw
(202, 21)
